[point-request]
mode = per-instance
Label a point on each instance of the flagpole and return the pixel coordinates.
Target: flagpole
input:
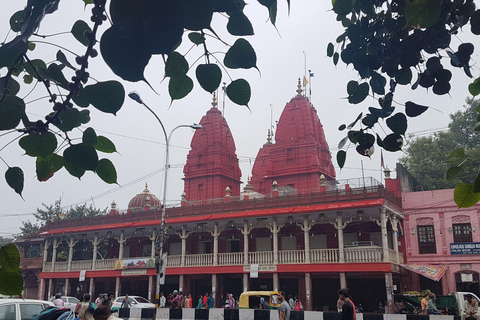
(305, 72)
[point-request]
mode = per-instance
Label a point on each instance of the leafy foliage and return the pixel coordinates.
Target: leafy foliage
(447, 158)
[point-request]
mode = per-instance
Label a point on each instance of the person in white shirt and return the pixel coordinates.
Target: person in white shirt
(58, 302)
(163, 301)
(470, 308)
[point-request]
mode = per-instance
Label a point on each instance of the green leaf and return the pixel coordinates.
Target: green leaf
(198, 14)
(14, 177)
(128, 63)
(422, 13)
(81, 100)
(39, 144)
(176, 65)
(474, 87)
(457, 156)
(357, 92)
(13, 85)
(369, 120)
(16, 21)
(413, 109)
(342, 143)
(31, 46)
(70, 119)
(475, 22)
(330, 49)
(11, 283)
(74, 170)
(179, 87)
(353, 136)
(10, 258)
(81, 155)
(455, 172)
(57, 75)
(240, 55)
(239, 92)
(78, 30)
(105, 145)
(404, 76)
(342, 127)
(36, 63)
(378, 83)
(341, 157)
(464, 196)
(209, 76)
(393, 142)
(56, 161)
(90, 137)
(84, 116)
(397, 123)
(335, 58)
(238, 24)
(63, 59)
(44, 170)
(351, 125)
(272, 13)
(343, 7)
(106, 171)
(11, 111)
(27, 79)
(10, 51)
(106, 96)
(196, 37)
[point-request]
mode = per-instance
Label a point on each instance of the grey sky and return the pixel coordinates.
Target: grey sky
(138, 137)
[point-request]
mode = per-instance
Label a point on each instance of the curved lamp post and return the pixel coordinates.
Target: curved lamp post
(136, 97)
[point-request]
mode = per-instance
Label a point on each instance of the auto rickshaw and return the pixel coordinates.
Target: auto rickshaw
(253, 300)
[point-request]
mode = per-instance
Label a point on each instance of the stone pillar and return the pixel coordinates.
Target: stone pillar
(389, 287)
(276, 285)
(181, 283)
(54, 256)
(246, 286)
(95, 243)
(343, 280)
(275, 242)
(121, 242)
(45, 256)
(215, 235)
(306, 236)
(341, 245)
(152, 238)
(71, 244)
(394, 237)
(245, 243)
(214, 288)
(41, 290)
(150, 288)
(91, 289)
(117, 286)
(50, 288)
(67, 287)
(383, 224)
(184, 245)
(308, 292)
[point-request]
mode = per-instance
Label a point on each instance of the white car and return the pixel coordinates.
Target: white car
(19, 309)
(135, 302)
(68, 302)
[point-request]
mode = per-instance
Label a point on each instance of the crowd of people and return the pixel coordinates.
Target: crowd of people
(178, 299)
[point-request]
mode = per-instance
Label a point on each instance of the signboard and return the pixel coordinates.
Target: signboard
(138, 263)
(131, 272)
(83, 273)
(254, 271)
(466, 277)
(465, 248)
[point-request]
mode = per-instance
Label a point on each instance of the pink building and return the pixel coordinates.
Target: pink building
(438, 233)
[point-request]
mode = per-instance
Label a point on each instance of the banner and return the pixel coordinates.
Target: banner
(426, 270)
(138, 263)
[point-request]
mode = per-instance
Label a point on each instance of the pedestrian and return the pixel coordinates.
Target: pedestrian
(431, 307)
(205, 300)
(470, 308)
(424, 303)
(348, 308)
(87, 308)
(210, 301)
(58, 302)
(126, 302)
(104, 313)
(339, 305)
(284, 309)
(163, 300)
(291, 302)
(200, 302)
(298, 304)
(231, 301)
(188, 301)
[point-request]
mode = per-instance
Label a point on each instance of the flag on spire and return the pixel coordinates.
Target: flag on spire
(305, 81)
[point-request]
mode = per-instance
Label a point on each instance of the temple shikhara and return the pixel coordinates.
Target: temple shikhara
(306, 232)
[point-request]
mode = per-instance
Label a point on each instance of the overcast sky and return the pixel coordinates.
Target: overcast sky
(138, 137)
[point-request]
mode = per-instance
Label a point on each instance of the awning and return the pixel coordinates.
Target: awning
(427, 270)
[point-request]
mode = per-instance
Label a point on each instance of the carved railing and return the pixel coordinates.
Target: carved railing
(291, 256)
(363, 254)
(324, 255)
(203, 259)
(260, 257)
(230, 259)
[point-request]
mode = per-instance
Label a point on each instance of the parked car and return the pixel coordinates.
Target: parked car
(135, 302)
(68, 302)
(18, 309)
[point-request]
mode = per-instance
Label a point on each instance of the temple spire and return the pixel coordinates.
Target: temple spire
(214, 100)
(299, 87)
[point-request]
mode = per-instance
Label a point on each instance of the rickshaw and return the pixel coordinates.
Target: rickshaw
(253, 300)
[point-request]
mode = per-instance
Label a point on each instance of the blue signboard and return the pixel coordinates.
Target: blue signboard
(465, 248)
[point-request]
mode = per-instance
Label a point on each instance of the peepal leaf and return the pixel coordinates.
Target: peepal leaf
(14, 177)
(176, 65)
(198, 14)
(357, 92)
(238, 24)
(422, 13)
(106, 96)
(81, 155)
(78, 30)
(105, 145)
(465, 196)
(11, 111)
(209, 76)
(11, 280)
(179, 87)
(341, 157)
(106, 171)
(39, 144)
(397, 123)
(413, 109)
(240, 55)
(239, 92)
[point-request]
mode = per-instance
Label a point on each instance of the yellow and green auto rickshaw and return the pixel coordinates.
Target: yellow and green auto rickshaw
(253, 300)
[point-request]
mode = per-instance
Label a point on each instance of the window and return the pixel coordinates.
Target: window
(8, 312)
(30, 311)
(462, 232)
(426, 239)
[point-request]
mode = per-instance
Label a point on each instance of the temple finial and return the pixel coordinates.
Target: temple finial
(299, 87)
(214, 100)
(269, 136)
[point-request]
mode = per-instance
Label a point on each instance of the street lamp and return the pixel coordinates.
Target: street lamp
(136, 97)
